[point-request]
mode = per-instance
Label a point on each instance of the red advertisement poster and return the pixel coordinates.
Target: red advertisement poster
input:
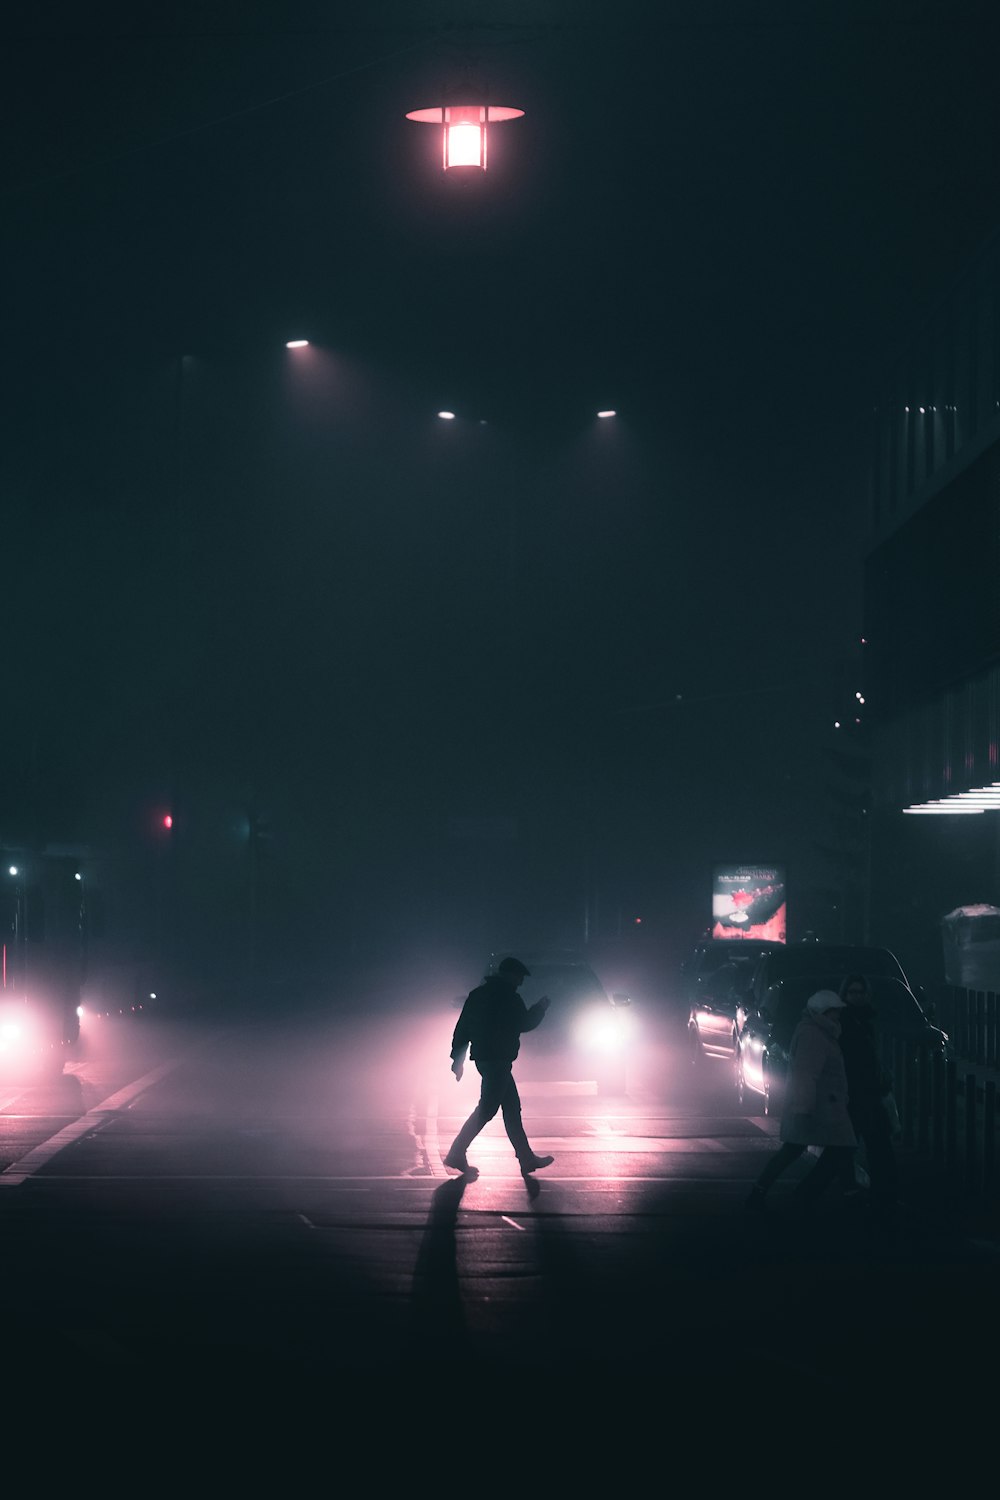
(749, 901)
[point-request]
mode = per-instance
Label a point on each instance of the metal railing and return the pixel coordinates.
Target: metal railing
(972, 1020)
(948, 1105)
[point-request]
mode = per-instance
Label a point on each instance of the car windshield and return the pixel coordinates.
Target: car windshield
(727, 978)
(784, 1003)
(896, 1006)
(713, 960)
(735, 951)
(827, 959)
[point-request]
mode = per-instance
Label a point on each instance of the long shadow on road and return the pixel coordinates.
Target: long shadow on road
(437, 1317)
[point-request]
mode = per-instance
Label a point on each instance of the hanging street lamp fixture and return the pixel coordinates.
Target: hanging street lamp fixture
(464, 130)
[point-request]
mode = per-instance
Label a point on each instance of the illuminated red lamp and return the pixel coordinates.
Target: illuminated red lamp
(464, 129)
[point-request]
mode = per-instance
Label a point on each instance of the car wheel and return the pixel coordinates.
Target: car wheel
(696, 1056)
(741, 1083)
(768, 1108)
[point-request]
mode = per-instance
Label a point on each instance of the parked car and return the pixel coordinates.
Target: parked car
(714, 954)
(712, 1029)
(588, 1032)
(765, 1030)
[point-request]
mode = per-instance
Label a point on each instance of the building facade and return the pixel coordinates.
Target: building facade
(932, 621)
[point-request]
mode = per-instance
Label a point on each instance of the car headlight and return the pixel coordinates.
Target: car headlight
(18, 1033)
(604, 1030)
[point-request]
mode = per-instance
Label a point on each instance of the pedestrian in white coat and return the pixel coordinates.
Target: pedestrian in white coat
(815, 1106)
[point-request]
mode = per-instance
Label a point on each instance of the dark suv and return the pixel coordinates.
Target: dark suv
(766, 1029)
(828, 963)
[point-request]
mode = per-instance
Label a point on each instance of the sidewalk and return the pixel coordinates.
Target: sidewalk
(943, 1202)
(936, 1203)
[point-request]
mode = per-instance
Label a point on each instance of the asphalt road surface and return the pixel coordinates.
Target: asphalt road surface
(261, 1202)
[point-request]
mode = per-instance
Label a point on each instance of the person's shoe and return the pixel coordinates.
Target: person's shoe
(754, 1200)
(532, 1163)
(459, 1162)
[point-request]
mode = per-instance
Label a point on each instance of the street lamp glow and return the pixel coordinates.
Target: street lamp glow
(297, 344)
(464, 129)
(12, 870)
(465, 147)
(447, 416)
(609, 413)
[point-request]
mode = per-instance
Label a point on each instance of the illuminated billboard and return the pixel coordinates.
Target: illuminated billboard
(749, 901)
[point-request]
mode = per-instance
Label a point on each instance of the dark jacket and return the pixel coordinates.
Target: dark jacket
(492, 1020)
(867, 1081)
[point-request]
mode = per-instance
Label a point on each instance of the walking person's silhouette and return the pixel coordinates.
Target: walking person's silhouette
(489, 1029)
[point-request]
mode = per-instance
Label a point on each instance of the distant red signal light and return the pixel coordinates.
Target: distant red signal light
(168, 821)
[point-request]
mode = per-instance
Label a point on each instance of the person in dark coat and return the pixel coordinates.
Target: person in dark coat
(489, 1028)
(868, 1085)
(815, 1109)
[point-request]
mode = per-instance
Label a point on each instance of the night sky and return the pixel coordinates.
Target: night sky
(470, 673)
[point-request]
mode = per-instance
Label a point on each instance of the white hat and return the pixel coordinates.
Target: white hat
(825, 1000)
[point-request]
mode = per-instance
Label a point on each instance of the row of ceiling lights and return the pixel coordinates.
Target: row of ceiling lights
(979, 799)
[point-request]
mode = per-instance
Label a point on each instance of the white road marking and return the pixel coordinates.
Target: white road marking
(95, 1119)
(512, 1224)
(500, 1180)
(431, 1139)
(429, 1149)
(428, 1145)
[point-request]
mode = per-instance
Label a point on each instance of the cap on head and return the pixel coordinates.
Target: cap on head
(513, 966)
(824, 1000)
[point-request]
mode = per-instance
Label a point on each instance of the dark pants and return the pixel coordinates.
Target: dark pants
(871, 1125)
(499, 1091)
(835, 1162)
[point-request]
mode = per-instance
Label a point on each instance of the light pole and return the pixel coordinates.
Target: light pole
(13, 961)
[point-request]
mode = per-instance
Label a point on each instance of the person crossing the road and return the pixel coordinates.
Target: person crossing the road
(869, 1086)
(815, 1107)
(489, 1030)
